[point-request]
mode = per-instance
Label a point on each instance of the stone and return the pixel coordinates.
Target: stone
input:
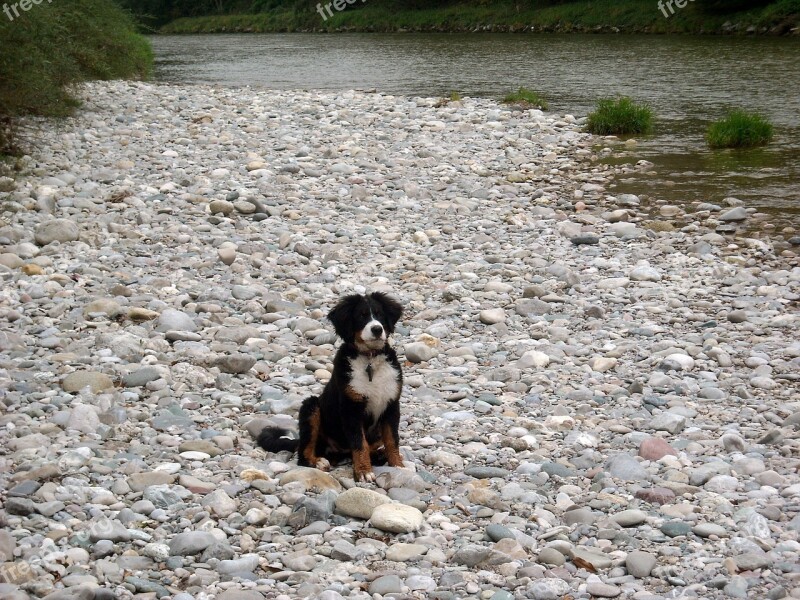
(140, 377)
(83, 418)
(312, 480)
(670, 422)
(96, 381)
(640, 564)
(175, 320)
(705, 530)
(471, 555)
(402, 552)
(551, 557)
(56, 230)
(738, 213)
(655, 449)
(630, 517)
(235, 364)
(492, 316)
(219, 503)
(627, 468)
(418, 352)
(533, 359)
(386, 584)
(190, 543)
(396, 518)
(359, 502)
(644, 273)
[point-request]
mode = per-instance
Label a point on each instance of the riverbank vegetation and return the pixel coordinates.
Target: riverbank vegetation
(526, 98)
(698, 16)
(51, 47)
(620, 117)
(740, 129)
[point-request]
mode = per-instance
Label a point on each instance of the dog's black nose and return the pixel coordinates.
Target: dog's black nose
(377, 330)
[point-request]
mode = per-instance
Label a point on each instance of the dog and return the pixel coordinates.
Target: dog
(358, 411)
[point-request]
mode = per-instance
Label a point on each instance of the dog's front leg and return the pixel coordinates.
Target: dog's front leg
(390, 427)
(362, 465)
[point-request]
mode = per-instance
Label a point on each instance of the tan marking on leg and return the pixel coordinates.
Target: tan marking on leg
(392, 451)
(310, 451)
(362, 465)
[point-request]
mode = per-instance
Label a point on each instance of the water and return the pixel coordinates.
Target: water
(687, 80)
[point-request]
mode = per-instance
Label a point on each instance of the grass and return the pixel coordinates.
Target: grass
(526, 98)
(740, 129)
(53, 47)
(502, 15)
(620, 117)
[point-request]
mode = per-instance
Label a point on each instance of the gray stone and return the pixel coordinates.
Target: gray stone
(486, 472)
(471, 555)
(387, 584)
(175, 320)
(56, 230)
(627, 468)
(418, 352)
(140, 377)
(190, 543)
(738, 213)
(640, 564)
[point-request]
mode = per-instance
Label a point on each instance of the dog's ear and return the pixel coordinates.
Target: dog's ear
(341, 316)
(391, 308)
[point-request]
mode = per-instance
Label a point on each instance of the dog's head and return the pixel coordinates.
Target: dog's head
(366, 321)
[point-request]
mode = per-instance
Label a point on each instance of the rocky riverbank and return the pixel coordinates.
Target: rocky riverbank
(600, 402)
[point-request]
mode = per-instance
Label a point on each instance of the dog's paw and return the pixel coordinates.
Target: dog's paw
(323, 464)
(368, 477)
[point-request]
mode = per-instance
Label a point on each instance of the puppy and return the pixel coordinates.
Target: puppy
(358, 411)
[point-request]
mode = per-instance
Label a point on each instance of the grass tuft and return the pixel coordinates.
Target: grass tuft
(620, 117)
(50, 48)
(526, 98)
(740, 129)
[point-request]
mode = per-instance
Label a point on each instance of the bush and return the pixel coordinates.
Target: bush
(620, 117)
(52, 47)
(527, 98)
(739, 129)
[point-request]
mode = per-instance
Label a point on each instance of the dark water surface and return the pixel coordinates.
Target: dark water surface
(687, 80)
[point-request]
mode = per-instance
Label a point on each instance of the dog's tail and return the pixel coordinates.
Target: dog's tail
(276, 439)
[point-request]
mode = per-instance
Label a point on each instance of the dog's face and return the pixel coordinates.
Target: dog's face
(366, 321)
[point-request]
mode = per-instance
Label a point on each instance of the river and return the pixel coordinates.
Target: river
(687, 80)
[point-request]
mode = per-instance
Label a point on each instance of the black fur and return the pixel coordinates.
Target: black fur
(350, 422)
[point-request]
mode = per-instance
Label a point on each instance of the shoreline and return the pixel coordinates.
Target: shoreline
(626, 17)
(592, 404)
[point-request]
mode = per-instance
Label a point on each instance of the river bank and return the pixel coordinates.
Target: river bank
(598, 402)
(626, 16)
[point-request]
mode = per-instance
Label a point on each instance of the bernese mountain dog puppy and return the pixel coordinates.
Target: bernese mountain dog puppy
(358, 411)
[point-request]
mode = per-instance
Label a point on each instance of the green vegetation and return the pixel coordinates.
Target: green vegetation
(52, 47)
(698, 16)
(739, 129)
(620, 117)
(526, 98)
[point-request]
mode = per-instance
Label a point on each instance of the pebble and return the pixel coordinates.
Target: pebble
(598, 400)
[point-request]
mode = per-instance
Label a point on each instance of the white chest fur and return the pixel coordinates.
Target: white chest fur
(382, 389)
